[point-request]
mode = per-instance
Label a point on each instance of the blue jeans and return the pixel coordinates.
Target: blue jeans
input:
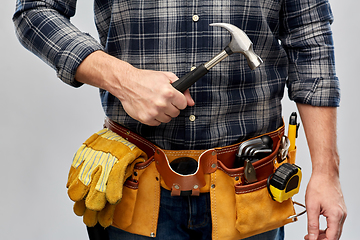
(185, 218)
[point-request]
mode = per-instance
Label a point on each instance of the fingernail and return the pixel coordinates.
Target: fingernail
(312, 237)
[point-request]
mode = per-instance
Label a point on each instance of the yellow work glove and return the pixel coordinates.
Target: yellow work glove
(99, 169)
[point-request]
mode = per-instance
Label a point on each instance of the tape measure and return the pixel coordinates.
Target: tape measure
(285, 182)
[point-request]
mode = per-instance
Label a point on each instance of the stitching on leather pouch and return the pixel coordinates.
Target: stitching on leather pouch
(265, 163)
(215, 201)
(230, 174)
(181, 154)
(240, 174)
(250, 190)
(227, 150)
(156, 196)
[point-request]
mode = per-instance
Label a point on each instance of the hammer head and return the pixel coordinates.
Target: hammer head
(240, 43)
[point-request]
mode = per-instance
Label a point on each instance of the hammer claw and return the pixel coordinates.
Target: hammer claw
(240, 43)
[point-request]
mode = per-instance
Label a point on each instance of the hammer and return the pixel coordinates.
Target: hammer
(240, 43)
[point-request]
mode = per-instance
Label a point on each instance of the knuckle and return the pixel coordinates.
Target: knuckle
(182, 105)
(159, 103)
(168, 92)
(176, 113)
(147, 118)
(312, 208)
(313, 226)
(167, 120)
(340, 214)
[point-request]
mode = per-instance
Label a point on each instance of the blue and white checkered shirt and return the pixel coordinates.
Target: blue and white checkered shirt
(293, 38)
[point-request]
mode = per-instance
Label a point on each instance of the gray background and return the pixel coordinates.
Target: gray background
(43, 122)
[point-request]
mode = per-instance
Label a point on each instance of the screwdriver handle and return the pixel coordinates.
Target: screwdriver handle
(292, 132)
(190, 78)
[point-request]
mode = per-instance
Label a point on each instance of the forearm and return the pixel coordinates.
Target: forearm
(323, 193)
(320, 129)
(104, 71)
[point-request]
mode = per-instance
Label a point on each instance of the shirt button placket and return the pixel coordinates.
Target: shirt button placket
(195, 18)
(191, 123)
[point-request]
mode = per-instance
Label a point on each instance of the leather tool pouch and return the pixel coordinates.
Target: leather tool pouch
(238, 209)
(255, 211)
(138, 210)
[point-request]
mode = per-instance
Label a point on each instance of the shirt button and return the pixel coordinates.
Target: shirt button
(192, 118)
(195, 18)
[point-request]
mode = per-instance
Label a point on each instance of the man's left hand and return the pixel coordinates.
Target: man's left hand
(324, 197)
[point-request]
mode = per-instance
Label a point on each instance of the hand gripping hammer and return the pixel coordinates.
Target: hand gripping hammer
(240, 43)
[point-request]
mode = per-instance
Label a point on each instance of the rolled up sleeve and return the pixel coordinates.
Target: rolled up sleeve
(307, 38)
(44, 28)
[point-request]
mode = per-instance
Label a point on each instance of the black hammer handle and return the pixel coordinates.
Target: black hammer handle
(190, 78)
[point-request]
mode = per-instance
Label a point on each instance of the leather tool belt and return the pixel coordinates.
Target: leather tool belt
(208, 162)
(239, 209)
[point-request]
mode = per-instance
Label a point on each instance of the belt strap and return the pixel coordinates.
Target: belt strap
(224, 153)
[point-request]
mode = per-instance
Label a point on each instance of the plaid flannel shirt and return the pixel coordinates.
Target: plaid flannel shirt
(233, 103)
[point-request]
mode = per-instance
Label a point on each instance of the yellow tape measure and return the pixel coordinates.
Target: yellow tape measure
(285, 182)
